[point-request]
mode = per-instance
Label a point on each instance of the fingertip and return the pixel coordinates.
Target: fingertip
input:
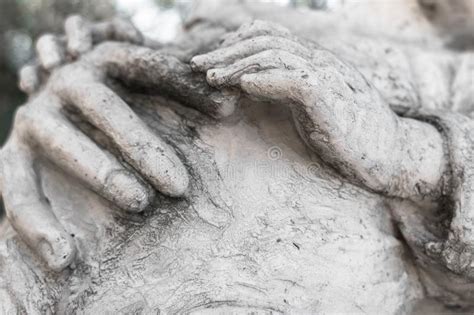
(198, 63)
(141, 198)
(57, 249)
(179, 184)
(28, 79)
(172, 177)
(79, 35)
(128, 192)
(50, 52)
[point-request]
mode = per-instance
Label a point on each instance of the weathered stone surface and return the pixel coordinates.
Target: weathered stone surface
(299, 198)
(265, 226)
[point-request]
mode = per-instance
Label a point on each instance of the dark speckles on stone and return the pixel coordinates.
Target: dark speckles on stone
(305, 76)
(351, 87)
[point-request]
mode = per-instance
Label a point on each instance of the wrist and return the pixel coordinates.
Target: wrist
(422, 161)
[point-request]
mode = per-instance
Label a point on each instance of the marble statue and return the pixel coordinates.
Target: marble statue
(267, 161)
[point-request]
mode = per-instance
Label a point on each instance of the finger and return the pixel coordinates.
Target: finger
(254, 29)
(118, 29)
(270, 59)
(29, 213)
(79, 156)
(155, 71)
(141, 148)
(29, 80)
(78, 34)
(50, 51)
(412, 224)
(273, 84)
(228, 55)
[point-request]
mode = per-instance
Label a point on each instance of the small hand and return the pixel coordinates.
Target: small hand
(80, 37)
(337, 112)
(163, 70)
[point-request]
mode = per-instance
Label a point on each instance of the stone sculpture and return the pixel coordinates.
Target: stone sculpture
(262, 168)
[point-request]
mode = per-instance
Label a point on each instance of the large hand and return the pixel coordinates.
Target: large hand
(337, 112)
(42, 129)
